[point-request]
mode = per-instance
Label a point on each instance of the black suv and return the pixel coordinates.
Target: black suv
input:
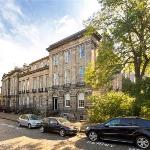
(129, 129)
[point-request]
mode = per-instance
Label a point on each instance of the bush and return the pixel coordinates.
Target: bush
(112, 104)
(145, 109)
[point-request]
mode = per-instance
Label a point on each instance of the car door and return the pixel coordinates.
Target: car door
(126, 129)
(21, 119)
(54, 125)
(110, 130)
(26, 120)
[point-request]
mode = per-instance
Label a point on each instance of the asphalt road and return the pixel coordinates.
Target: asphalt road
(13, 137)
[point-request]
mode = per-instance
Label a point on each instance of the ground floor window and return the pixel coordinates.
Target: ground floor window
(67, 100)
(81, 100)
(41, 101)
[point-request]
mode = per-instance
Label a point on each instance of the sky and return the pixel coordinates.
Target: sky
(28, 27)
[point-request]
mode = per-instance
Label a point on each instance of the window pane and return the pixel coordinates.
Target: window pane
(114, 122)
(143, 123)
(126, 122)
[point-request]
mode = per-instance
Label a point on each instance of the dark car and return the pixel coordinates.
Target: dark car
(59, 125)
(131, 130)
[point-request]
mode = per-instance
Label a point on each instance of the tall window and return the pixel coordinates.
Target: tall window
(67, 55)
(47, 81)
(41, 82)
(34, 83)
(67, 100)
(67, 76)
(34, 101)
(81, 51)
(81, 73)
(55, 59)
(41, 101)
(81, 100)
(55, 79)
(28, 101)
(28, 84)
(24, 85)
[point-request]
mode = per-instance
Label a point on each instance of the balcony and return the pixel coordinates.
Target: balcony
(67, 85)
(33, 90)
(19, 92)
(80, 83)
(27, 91)
(23, 91)
(46, 90)
(55, 86)
(40, 90)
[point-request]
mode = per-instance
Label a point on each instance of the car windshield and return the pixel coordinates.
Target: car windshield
(34, 117)
(63, 120)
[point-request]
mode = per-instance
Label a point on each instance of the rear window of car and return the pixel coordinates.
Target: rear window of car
(126, 122)
(143, 123)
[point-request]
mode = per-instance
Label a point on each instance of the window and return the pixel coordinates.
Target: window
(143, 123)
(28, 84)
(53, 121)
(47, 83)
(34, 83)
(67, 55)
(114, 122)
(81, 74)
(81, 100)
(67, 100)
(28, 101)
(55, 59)
(55, 79)
(82, 51)
(41, 101)
(24, 85)
(126, 122)
(67, 76)
(41, 82)
(34, 101)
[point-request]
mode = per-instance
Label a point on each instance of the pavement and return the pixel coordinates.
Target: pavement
(9, 116)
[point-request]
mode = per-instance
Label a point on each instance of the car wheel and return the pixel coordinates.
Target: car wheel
(93, 136)
(62, 132)
(29, 126)
(42, 129)
(19, 124)
(142, 142)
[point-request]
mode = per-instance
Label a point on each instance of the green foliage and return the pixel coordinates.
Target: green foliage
(127, 24)
(130, 87)
(145, 109)
(106, 66)
(112, 104)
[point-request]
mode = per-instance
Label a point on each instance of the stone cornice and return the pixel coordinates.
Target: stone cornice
(33, 71)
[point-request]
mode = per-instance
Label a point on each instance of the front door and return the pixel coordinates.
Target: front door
(55, 103)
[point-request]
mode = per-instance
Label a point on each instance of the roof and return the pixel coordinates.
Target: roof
(39, 60)
(71, 38)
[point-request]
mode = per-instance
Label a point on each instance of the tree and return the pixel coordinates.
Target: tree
(101, 72)
(127, 24)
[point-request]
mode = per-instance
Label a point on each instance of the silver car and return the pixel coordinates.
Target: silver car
(30, 121)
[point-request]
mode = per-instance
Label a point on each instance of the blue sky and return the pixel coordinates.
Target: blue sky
(28, 27)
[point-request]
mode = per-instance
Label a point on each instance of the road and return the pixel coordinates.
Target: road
(19, 138)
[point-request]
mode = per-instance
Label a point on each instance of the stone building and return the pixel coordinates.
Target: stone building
(55, 83)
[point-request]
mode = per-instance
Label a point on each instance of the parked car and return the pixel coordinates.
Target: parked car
(30, 120)
(130, 129)
(58, 125)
